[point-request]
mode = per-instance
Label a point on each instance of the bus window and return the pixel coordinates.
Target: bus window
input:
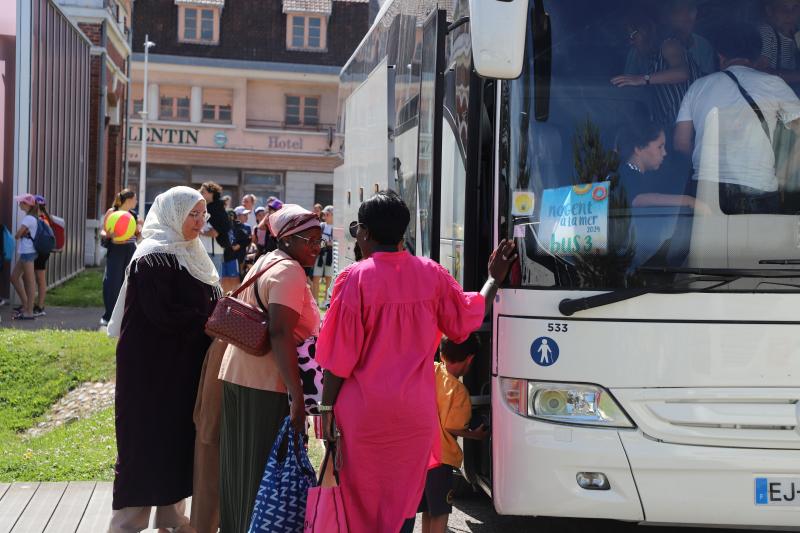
(651, 156)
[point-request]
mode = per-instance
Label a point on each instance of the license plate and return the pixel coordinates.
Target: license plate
(778, 491)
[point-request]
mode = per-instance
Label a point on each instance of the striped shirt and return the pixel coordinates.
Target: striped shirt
(669, 96)
(781, 51)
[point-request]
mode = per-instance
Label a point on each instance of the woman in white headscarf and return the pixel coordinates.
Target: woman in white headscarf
(254, 402)
(170, 289)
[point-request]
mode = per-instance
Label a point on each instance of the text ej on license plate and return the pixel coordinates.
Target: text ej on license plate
(777, 491)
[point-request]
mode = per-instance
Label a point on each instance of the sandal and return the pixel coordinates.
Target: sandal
(20, 316)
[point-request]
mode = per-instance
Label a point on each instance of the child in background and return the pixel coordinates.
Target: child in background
(455, 411)
(22, 277)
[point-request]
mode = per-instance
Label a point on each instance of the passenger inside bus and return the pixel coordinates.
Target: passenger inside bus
(668, 67)
(745, 165)
(778, 45)
(681, 207)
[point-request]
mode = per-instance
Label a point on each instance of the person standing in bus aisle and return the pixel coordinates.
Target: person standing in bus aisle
(22, 277)
(455, 410)
(671, 72)
(119, 253)
(376, 346)
(681, 17)
(779, 52)
(324, 265)
(747, 180)
(249, 203)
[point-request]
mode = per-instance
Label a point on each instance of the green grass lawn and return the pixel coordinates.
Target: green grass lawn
(36, 369)
(84, 290)
(82, 451)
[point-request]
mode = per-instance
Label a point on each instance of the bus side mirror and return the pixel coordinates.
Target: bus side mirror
(497, 28)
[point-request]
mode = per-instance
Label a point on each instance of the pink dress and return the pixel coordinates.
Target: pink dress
(380, 334)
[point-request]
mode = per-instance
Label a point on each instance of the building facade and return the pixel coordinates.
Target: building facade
(107, 26)
(241, 92)
(45, 122)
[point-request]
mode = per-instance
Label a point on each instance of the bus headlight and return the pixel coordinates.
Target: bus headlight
(566, 403)
(575, 404)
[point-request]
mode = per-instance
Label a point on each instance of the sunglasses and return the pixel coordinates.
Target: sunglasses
(354, 228)
(632, 35)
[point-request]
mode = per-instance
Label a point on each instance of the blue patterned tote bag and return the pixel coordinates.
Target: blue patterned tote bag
(281, 500)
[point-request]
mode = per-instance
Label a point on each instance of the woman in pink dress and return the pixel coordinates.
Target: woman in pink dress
(377, 344)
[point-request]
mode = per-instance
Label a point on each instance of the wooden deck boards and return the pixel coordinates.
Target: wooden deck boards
(67, 507)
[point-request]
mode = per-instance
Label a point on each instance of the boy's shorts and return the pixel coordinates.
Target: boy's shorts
(437, 499)
(230, 269)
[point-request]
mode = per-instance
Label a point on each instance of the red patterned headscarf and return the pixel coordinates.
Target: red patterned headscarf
(291, 219)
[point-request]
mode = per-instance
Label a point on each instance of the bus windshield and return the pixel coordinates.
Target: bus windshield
(649, 136)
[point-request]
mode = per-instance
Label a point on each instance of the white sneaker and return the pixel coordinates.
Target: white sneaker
(103, 322)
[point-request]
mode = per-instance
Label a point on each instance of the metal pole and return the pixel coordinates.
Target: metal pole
(143, 155)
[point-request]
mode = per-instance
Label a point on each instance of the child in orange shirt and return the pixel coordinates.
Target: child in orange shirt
(455, 411)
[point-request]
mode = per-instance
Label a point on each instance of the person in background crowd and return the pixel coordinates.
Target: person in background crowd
(231, 266)
(323, 268)
(249, 203)
(254, 388)
(643, 41)
(260, 234)
(671, 72)
(40, 265)
(387, 315)
(778, 45)
(271, 243)
(218, 225)
(22, 277)
(318, 211)
(746, 166)
(119, 254)
(226, 201)
(170, 291)
(681, 17)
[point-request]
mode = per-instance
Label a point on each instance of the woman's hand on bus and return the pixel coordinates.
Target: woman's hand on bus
(628, 80)
(501, 260)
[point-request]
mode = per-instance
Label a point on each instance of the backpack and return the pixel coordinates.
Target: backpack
(58, 226)
(8, 244)
(45, 240)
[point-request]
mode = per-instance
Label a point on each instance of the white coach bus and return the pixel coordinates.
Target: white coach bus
(643, 360)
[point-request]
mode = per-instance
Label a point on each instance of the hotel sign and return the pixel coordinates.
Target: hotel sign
(176, 136)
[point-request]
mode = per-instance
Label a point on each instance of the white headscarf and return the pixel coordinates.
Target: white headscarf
(163, 235)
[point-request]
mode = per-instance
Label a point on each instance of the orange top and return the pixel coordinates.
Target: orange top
(455, 410)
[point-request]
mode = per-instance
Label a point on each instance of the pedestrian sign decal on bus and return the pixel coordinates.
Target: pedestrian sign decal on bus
(574, 219)
(544, 351)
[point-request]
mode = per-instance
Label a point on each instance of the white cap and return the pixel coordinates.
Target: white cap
(240, 210)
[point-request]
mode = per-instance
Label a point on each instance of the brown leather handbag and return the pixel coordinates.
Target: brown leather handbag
(239, 323)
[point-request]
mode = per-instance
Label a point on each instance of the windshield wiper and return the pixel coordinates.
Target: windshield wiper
(779, 262)
(722, 276)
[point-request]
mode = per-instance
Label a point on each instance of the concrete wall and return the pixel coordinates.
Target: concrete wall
(300, 187)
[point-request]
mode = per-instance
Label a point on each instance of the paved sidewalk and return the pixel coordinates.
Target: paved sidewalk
(86, 318)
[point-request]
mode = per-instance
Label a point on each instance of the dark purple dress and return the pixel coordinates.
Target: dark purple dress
(159, 358)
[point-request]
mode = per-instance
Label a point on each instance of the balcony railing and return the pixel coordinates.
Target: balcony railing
(280, 125)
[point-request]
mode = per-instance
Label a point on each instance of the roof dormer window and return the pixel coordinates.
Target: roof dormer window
(198, 21)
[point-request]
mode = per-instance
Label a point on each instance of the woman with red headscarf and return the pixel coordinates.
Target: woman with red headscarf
(254, 402)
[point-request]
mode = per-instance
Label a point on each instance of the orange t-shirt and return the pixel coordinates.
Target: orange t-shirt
(455, 410)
